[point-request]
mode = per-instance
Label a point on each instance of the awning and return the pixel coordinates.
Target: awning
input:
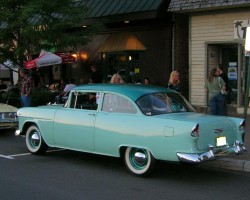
(118, 42)
(66, 57)
(44, 60)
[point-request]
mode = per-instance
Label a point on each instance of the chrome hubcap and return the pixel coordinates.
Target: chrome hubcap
(34, 139)
(140, 158)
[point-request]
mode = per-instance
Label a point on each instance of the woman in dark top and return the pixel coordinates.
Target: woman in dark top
(174, 81)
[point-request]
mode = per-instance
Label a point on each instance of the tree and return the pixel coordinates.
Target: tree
(27, 26)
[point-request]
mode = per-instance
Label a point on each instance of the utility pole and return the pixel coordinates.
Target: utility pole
(247, 48)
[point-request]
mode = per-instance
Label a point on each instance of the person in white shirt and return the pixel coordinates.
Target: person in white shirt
(67, 88)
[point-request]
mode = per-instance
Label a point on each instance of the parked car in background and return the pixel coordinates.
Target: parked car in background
(136, 122)
(8, 116)
(11, 97)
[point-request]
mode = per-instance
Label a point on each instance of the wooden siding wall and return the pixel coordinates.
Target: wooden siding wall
(204, 29)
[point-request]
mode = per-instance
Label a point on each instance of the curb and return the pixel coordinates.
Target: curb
(232, 164)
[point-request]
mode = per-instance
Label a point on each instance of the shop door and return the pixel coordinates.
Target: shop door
(226, 55)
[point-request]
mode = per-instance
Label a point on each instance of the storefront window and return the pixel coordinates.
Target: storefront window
(125, 63)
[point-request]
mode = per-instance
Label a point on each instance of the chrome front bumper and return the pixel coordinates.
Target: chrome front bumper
(211, 153)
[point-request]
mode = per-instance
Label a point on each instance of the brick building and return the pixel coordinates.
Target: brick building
(140, 39)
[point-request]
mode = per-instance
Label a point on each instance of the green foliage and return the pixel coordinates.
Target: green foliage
(27, 26)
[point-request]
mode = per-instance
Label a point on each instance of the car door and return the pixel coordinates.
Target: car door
(113, 123)
(74, 125)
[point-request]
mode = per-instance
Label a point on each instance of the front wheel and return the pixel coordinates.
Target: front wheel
(34, 141)
(138, 161)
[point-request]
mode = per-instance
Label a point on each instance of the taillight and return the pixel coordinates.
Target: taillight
(195, 131)
(242, 125)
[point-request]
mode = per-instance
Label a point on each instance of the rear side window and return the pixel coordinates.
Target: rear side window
(117, 104)
(163, 103)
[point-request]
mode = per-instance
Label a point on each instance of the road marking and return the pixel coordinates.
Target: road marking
(26, 154)
(8, 157)
(21, 154)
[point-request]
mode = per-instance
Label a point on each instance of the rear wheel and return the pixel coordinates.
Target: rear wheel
(138, 161)
(34, 141)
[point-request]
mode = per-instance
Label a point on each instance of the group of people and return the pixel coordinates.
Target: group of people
(30, 80)
(217, 83)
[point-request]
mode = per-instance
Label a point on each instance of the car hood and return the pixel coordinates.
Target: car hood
(7, 108)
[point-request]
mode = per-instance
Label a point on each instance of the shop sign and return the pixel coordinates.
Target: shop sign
(240, 27)
(232, 71)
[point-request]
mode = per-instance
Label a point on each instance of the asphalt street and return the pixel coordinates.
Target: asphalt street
(69, 175)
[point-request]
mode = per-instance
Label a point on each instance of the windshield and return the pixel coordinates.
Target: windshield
(163, 103)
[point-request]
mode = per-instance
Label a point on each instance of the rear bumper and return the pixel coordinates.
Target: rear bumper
(211, 153)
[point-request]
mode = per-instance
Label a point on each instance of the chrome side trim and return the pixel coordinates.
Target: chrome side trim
(211, 153)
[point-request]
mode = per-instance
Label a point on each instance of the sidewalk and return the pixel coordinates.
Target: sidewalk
(236, 162)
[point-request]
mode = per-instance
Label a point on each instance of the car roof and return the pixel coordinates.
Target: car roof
(133, 91)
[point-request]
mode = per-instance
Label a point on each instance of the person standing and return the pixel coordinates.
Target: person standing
(2, 85)
(27, 88)
(68, 87)
(147, 81)
(214, 85)
(174, 81)
(81, 81)
(34, 74)
(117, 79)
(224, 76)
(63, 96)
(96, 76)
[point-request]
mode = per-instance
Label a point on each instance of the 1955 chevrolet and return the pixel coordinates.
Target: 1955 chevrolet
(139, 123)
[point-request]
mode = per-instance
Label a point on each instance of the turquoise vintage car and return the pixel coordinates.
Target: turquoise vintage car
(139, 123)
